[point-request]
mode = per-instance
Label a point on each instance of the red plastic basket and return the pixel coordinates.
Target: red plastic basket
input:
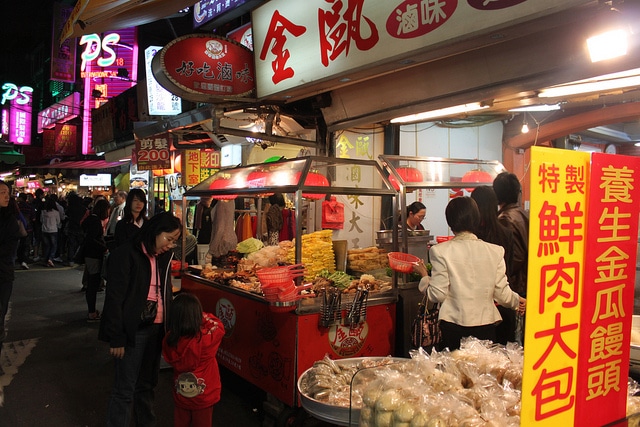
(401, 262)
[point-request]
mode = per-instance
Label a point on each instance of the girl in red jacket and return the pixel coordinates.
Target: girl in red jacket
(190, 346)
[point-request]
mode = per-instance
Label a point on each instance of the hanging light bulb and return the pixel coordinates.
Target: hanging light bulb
(525, 126)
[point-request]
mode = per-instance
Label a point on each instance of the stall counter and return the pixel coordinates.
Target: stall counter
(270, 349)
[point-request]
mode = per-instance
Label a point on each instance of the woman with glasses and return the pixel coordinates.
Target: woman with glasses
(136, 302)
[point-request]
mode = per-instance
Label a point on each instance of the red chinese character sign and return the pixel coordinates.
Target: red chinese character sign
(205, 68)
(609, 277)
(153, 153)
(578, 330)
(199, 165)
(299, 43)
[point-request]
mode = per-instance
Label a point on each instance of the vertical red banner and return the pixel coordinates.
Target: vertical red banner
(609, 280)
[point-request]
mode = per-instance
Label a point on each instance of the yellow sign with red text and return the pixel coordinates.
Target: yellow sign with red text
(199, 165)
(579, 296)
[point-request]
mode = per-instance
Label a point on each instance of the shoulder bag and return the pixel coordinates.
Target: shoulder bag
(425, 329)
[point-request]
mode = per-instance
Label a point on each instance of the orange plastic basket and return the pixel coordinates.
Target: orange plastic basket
(401, 262)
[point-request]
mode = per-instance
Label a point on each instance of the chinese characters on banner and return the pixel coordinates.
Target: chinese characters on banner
(199, 165)
(607, 300)
(298, 43)
(153, 153)
(568, 363)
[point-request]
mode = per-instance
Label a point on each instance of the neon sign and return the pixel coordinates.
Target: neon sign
(22, 95)
(95, 46)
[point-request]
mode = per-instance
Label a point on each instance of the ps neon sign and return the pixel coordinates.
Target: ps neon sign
(21, 95)
(95, 46)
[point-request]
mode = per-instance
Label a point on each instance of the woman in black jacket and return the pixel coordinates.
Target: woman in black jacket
(138, 274)
(94, 247)
(135, 214)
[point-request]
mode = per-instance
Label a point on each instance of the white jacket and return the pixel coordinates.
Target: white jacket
(467, 276)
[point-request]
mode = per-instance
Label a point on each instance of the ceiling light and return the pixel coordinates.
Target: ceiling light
(525, 128)
(597, 84)
(536, 107)
(611, 44)
(443, 112)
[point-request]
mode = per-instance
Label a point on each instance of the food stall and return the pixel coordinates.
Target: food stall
(408, 174)
(271, 341)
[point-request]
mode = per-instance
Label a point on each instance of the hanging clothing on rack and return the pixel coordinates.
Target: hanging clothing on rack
(247, 232)
(288, 230)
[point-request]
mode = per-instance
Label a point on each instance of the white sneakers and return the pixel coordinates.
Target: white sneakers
(24, 265)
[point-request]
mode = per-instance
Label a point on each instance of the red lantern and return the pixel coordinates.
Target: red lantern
(408, 174)
(177, 163)
(477, 175)
(314, 179)
(221, 184)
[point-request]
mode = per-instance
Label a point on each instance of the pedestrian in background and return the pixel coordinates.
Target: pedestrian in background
(51, 224)
(38, 207)
(190, 347)
(202, 220)
(25, 244)
(134, 216)
(9, 236)
(94, 248)
(139, 280)
(76, 213)
(117, 211)
(492, 231)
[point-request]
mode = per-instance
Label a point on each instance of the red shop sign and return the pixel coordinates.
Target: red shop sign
(205, 68)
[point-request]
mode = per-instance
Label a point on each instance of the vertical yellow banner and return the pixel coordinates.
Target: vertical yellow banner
(559, 186)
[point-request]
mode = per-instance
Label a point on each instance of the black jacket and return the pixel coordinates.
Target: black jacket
(129, 275)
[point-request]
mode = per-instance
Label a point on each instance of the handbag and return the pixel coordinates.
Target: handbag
(149, 313)
(332, 214)
(425, 329)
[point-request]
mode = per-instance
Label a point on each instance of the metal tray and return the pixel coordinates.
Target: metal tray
(338, 415)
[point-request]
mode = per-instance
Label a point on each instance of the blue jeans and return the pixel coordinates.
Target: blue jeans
(136, 376)
(50, 245)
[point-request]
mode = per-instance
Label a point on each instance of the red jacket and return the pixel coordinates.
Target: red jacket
(195, 368)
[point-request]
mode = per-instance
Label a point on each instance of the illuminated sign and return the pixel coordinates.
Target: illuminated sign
(200, 164)
(20, 123)
(21, 95)
(4, 125)
(205, 68)
(99, 180)
(153, 153)
(161, 102)
(205, 10)
(582, 235)
(109, 67)
(61, 112)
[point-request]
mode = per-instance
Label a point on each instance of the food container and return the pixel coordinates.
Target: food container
(334, 414)
(401, 262)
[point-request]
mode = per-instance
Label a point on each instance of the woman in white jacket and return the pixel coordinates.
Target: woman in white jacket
(467, 276)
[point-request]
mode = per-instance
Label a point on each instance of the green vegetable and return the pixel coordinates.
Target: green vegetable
(340, 279)
(250, 245)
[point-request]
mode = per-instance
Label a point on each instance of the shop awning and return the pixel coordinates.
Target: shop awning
(98, 16)
(11, 157)
(81, 164)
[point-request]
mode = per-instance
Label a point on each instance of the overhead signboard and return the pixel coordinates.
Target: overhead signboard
(20, 108)
(153, 153)
(206, 10)
(161, 102)
(205, 68)
(63, 55)
(299, 43)
(98, 180)
(60, 112)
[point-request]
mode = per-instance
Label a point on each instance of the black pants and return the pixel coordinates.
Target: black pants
(452, 333)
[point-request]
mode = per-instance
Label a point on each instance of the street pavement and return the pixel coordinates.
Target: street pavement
(57, 373)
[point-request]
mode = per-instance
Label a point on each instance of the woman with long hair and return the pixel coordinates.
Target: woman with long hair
(9, 236)
(135, 215)
(137, 298)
